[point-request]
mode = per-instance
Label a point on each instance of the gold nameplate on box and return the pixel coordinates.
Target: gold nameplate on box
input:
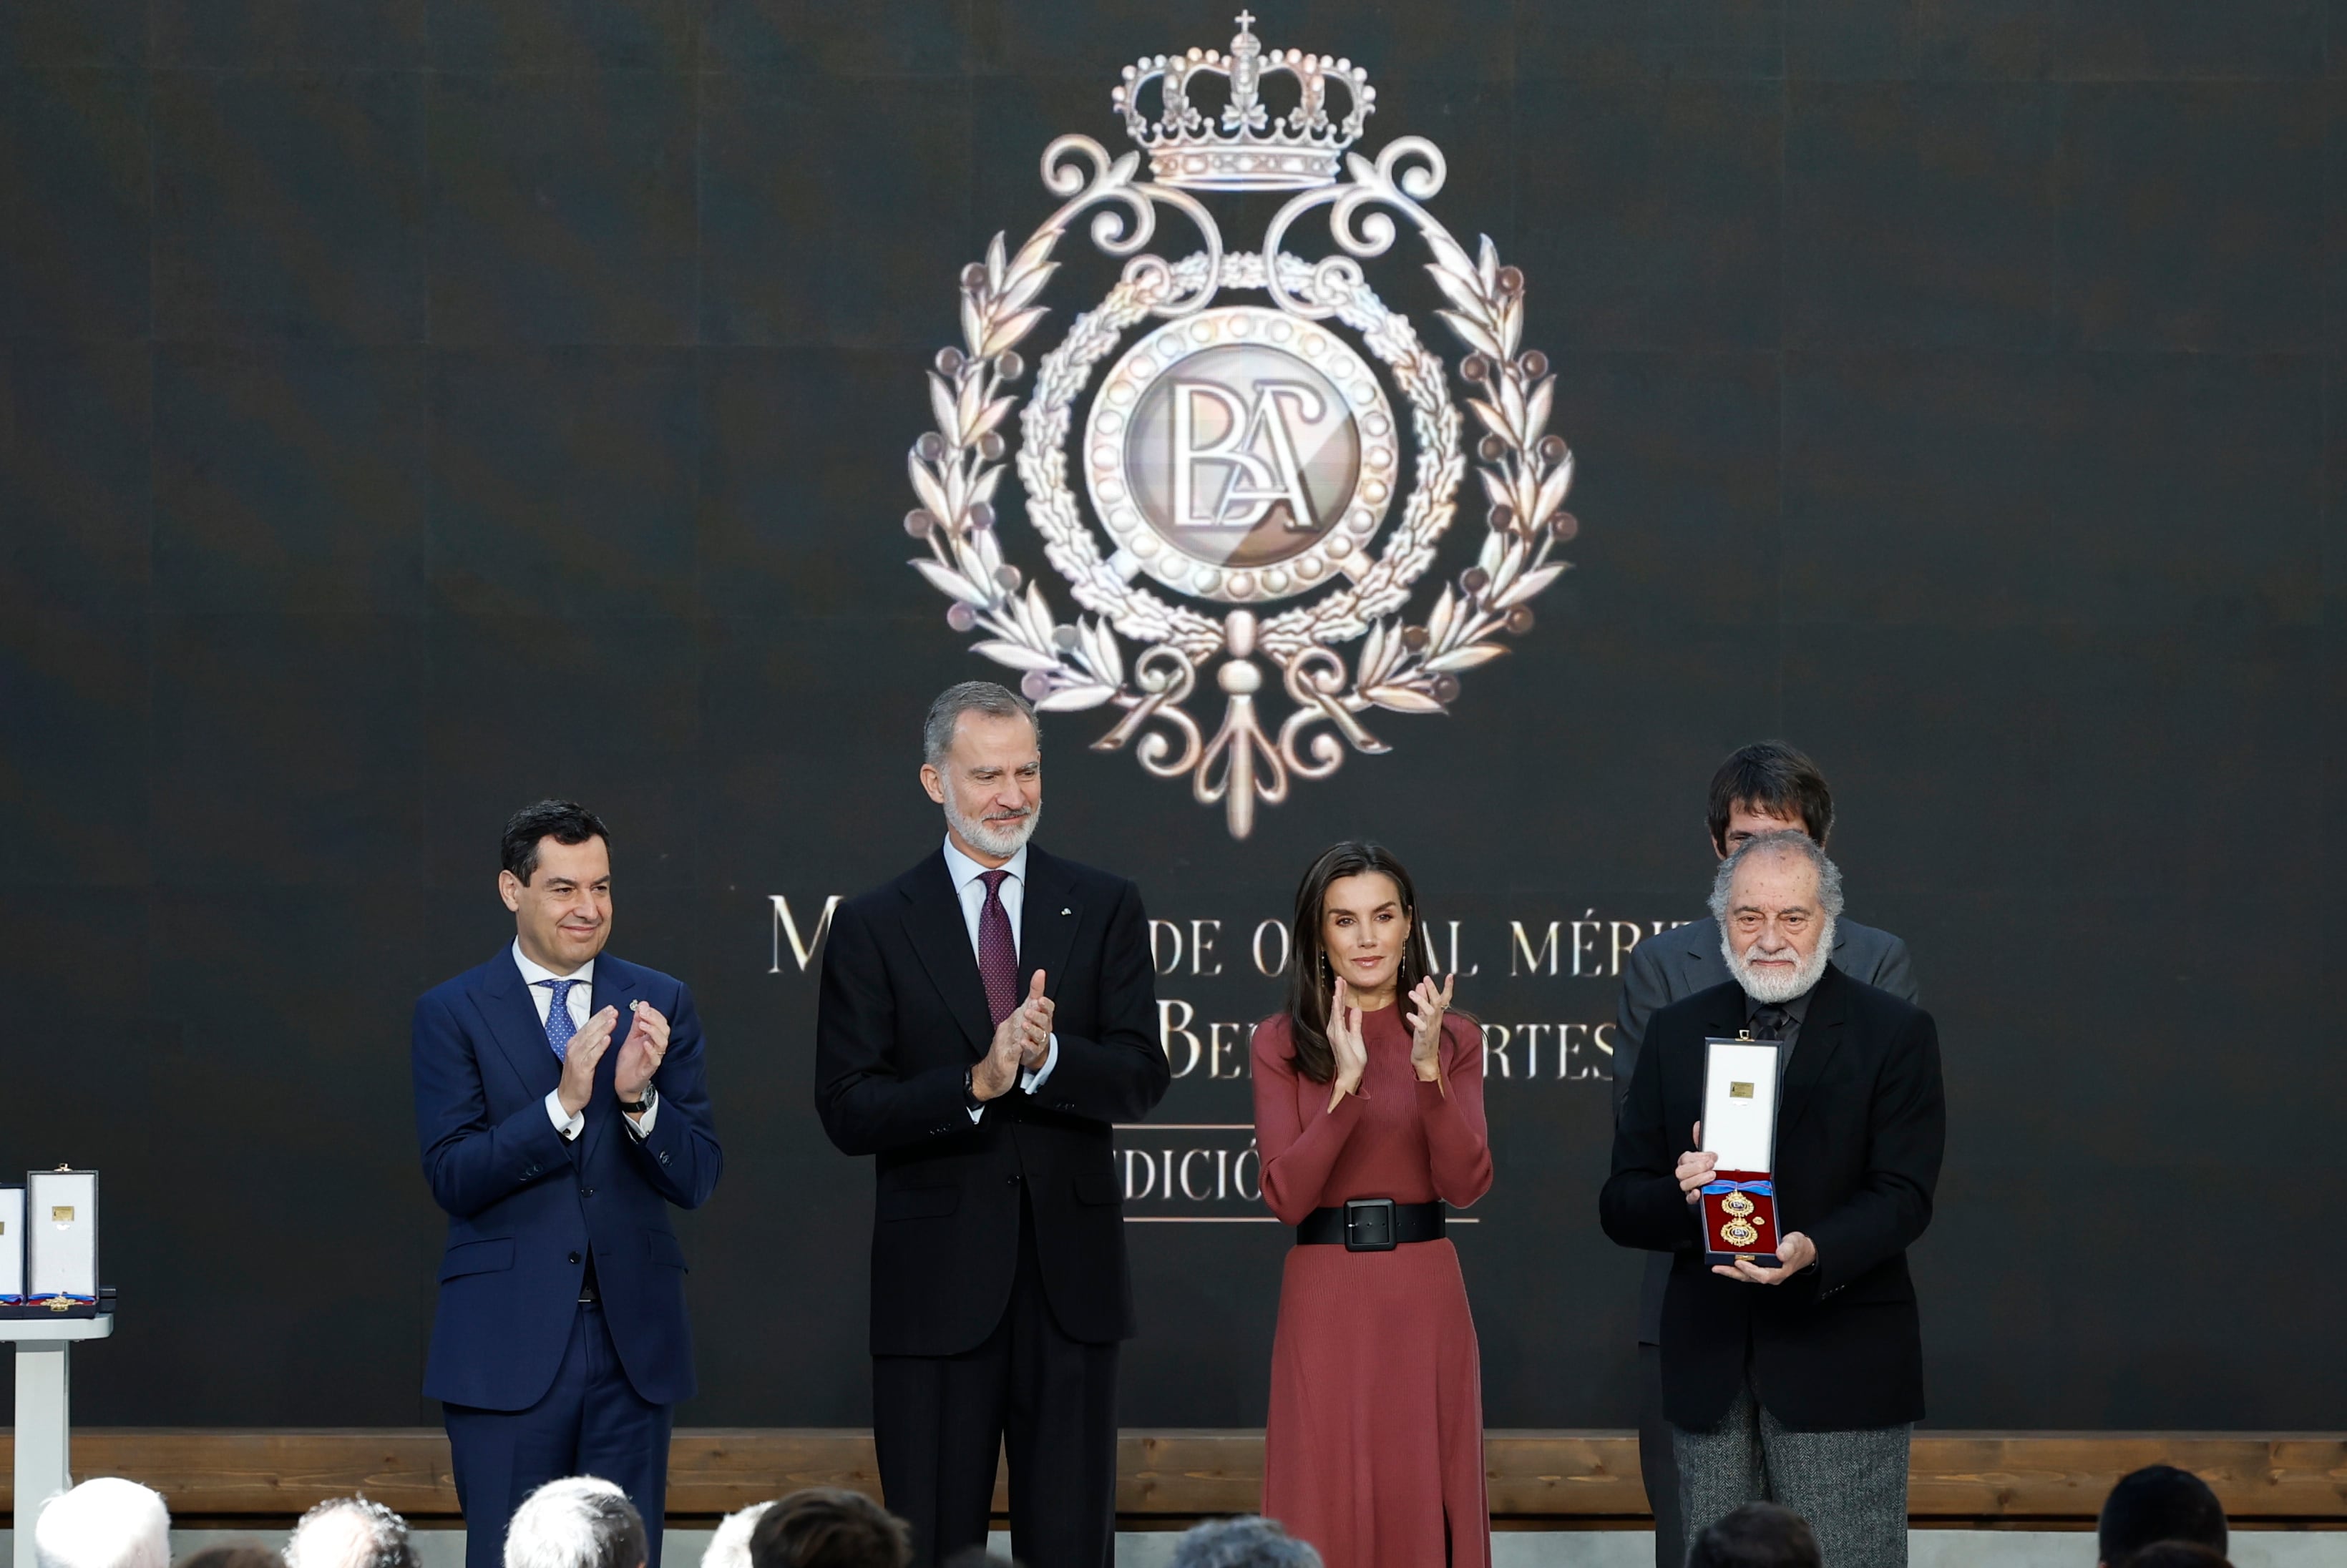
(1740, 1090)
(62, 1214)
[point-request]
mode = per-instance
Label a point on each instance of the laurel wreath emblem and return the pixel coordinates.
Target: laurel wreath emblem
(1401, 666)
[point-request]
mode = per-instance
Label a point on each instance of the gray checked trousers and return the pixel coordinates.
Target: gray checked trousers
(1851, 1486)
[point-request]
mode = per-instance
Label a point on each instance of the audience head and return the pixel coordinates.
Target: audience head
(582, 1521)
(108, 1523)
(2158, 1502)
(350, 1533)
(2177, 1554)
(1757, 1535)
(729, 1546)
(1245, 1542)
(231, 1554)
(829, 1527)
(1766, 788)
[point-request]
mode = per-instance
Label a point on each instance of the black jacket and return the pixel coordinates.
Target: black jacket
(1860, 1131)
(904, 1016)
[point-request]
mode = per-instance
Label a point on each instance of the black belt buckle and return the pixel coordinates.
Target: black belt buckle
(1369, 1225)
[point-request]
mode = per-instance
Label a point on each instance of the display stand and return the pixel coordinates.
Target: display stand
(44, 1412)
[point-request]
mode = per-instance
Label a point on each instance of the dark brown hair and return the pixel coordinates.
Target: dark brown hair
(1309, 979)
(829, 1527)
(1779, 779)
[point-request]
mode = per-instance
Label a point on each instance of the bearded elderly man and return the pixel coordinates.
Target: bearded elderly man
(985, 1019)
(1797, 1384)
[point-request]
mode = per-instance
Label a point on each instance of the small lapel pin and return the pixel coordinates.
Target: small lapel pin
(1067, 912)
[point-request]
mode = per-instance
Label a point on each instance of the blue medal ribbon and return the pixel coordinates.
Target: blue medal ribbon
(1765, 1189)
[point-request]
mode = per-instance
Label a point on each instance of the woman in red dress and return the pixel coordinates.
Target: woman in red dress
(1365, 1090)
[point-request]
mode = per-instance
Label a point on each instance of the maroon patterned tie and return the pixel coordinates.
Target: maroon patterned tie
(998, 955)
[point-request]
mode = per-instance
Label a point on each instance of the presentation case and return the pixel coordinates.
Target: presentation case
(11, 1247)
(55, 1246)
(1739, 1125)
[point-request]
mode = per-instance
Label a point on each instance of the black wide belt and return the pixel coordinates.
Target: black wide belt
(1371, 1225)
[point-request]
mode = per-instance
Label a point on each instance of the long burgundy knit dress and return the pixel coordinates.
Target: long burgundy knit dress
(1374, 1451)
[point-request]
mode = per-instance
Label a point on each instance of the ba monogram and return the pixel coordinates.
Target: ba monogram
(1243, 455)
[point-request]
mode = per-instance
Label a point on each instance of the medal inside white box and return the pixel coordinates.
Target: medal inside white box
(1739, 1207)
(53, 1240)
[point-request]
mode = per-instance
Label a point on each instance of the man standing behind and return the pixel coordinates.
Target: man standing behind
(985, 1017)
(1796, 1384)
(1761, 788)
(561, 1346)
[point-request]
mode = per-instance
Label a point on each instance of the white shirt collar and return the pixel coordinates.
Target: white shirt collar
(532, 973)
(965, 871)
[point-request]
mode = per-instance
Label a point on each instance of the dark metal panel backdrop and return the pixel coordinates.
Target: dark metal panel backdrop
(411, 409)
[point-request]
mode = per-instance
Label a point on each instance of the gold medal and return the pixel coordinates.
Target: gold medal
(1737, 1204)
(1736, 1233)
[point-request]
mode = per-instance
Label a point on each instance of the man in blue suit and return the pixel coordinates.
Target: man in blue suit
(561, 1346)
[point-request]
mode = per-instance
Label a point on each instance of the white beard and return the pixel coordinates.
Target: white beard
(1767, 987)
(1002, 841)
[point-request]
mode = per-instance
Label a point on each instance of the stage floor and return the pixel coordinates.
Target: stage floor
(1543, 1548)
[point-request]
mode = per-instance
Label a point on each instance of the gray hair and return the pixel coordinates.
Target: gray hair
(986, 696)
(1246, 1543)
(350, 1533)
(729, 1546)
(1784, 841)
(580, 1522)
(108, 1523)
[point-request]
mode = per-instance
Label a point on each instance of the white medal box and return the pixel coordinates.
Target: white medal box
(61, 1240)
(1738, 1208)
(12, 1246)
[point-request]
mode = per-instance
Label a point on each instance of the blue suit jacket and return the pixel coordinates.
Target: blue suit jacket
(525, 1208)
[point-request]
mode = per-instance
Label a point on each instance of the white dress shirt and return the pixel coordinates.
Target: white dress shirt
(967, 877)
(578, 1001)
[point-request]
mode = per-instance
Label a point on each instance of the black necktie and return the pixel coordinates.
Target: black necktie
(1768, 1021)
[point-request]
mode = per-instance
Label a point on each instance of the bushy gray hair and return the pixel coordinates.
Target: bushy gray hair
(350, 1533)
(579, 1521)
(986, 696)
(1784, 841)
(1246, 1543)
(108, 1523)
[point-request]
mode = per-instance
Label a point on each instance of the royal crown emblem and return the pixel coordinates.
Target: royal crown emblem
(1257, 435)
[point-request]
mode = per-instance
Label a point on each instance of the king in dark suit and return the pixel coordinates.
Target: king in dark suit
(1794, 1384)
(560, 1345)
(984, 1019)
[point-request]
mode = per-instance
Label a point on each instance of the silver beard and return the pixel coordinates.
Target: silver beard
(1001, 842)
(1766, 988)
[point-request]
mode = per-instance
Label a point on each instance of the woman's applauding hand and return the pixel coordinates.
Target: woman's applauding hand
(1426, 1026)
(1345, 1044)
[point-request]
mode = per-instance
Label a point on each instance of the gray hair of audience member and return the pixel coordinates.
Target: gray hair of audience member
(350, 1533)
(579, 1521)
(729, 1546)
(1245, 1542)
(106, 1523)
(1757, 1535)
(984, 696)
(1769, 846)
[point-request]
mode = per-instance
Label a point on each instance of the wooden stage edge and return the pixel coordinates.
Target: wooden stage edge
(1539, 1479)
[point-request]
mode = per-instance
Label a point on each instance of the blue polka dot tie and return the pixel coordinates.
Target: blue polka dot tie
(558, 1026)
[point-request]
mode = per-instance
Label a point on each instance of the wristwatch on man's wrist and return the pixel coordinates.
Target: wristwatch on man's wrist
(970, 1089)
(638, 1108)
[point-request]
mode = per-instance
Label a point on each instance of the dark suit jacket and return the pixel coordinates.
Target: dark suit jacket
(525, 1208)
(904, 1016)
(1859, 1130)
(1685, 960)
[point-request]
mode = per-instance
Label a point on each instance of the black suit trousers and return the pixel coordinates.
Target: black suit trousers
(939, 1423)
